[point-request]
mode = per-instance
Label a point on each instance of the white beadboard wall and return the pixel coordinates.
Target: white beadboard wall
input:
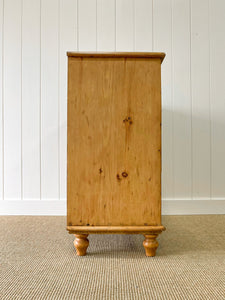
(35, 35)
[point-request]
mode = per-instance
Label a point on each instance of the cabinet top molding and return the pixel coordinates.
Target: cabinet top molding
(160, 55)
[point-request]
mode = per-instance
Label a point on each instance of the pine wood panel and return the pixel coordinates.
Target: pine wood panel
(114, 144)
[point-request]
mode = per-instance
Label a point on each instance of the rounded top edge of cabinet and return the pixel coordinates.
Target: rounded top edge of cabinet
(160, 55)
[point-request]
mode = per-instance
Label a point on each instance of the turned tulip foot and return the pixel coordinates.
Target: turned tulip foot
(150, 244)
(81, 243)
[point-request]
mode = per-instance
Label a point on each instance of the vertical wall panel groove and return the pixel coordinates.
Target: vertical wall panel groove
(31, 99)
(1, 99)
(200, 100)
(153, 19)
(77, 31)
(87, 25)
(134, 25)
(210, 98)
(182, 100)
(124, 25)
(105, 25)
(12, 99)
(163, 42)
(68, 42)
(217, 68)
(191, 96)
(21, 96)
(49, 100)
(96, 24)
(115, 25)
(40, 125)
(59, 123)
(143, 25)
(172, 109)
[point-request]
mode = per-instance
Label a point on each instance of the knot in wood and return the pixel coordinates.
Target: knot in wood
(128, 120)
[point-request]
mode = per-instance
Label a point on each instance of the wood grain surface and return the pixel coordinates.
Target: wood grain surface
(114, 141)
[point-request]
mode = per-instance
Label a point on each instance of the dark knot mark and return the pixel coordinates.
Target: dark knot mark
(128, 120)
(100, 170)
(118, 177)
(124, 174)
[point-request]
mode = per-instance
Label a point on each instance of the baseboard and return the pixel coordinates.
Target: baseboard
(58, 207)
(33, 207)
(193, 207)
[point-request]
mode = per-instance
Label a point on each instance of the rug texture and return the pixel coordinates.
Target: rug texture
(38, 261)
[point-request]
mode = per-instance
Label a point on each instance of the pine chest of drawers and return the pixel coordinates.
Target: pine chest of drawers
(114, 146)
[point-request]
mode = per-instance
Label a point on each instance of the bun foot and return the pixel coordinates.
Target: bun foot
(150, 244)
(81, 243)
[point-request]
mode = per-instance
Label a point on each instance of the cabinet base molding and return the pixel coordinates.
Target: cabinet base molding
(115, 229)
(150, 233)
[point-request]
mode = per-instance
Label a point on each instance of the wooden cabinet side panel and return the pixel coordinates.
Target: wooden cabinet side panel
(114, 142)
